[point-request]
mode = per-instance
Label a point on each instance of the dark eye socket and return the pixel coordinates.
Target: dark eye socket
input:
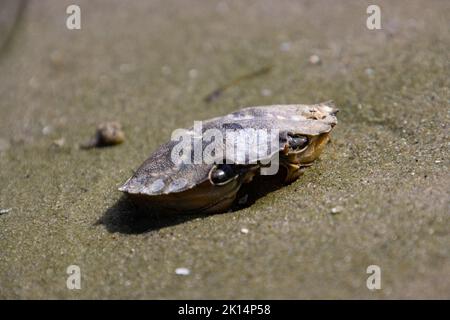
(298, 142)
(222, 174)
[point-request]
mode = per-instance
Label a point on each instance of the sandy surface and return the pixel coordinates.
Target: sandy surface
(149, 65)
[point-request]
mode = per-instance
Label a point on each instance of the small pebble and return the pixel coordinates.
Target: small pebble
(4, 211)
(58, 142)
(182, 271)
(315, 59)
(47, 130)
(437, 161)
(244, 230)
(337, 210)
(107, 134)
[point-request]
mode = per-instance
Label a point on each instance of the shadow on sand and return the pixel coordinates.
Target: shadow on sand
(128, 218)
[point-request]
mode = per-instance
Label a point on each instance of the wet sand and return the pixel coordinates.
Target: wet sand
(150, 66)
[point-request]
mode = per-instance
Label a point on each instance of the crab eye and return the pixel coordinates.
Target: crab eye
(222, 174)
(298, 142)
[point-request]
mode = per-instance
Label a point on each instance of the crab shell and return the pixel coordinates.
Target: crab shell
(186, 187)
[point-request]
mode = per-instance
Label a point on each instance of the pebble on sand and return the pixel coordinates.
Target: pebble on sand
(244, 230)
(337, 210)
(58, 143)
(47, 130)
(315, 59)
(182, 271)
(4, 211)
(107, 134)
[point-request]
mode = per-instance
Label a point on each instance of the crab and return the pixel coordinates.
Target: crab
(212, 187)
